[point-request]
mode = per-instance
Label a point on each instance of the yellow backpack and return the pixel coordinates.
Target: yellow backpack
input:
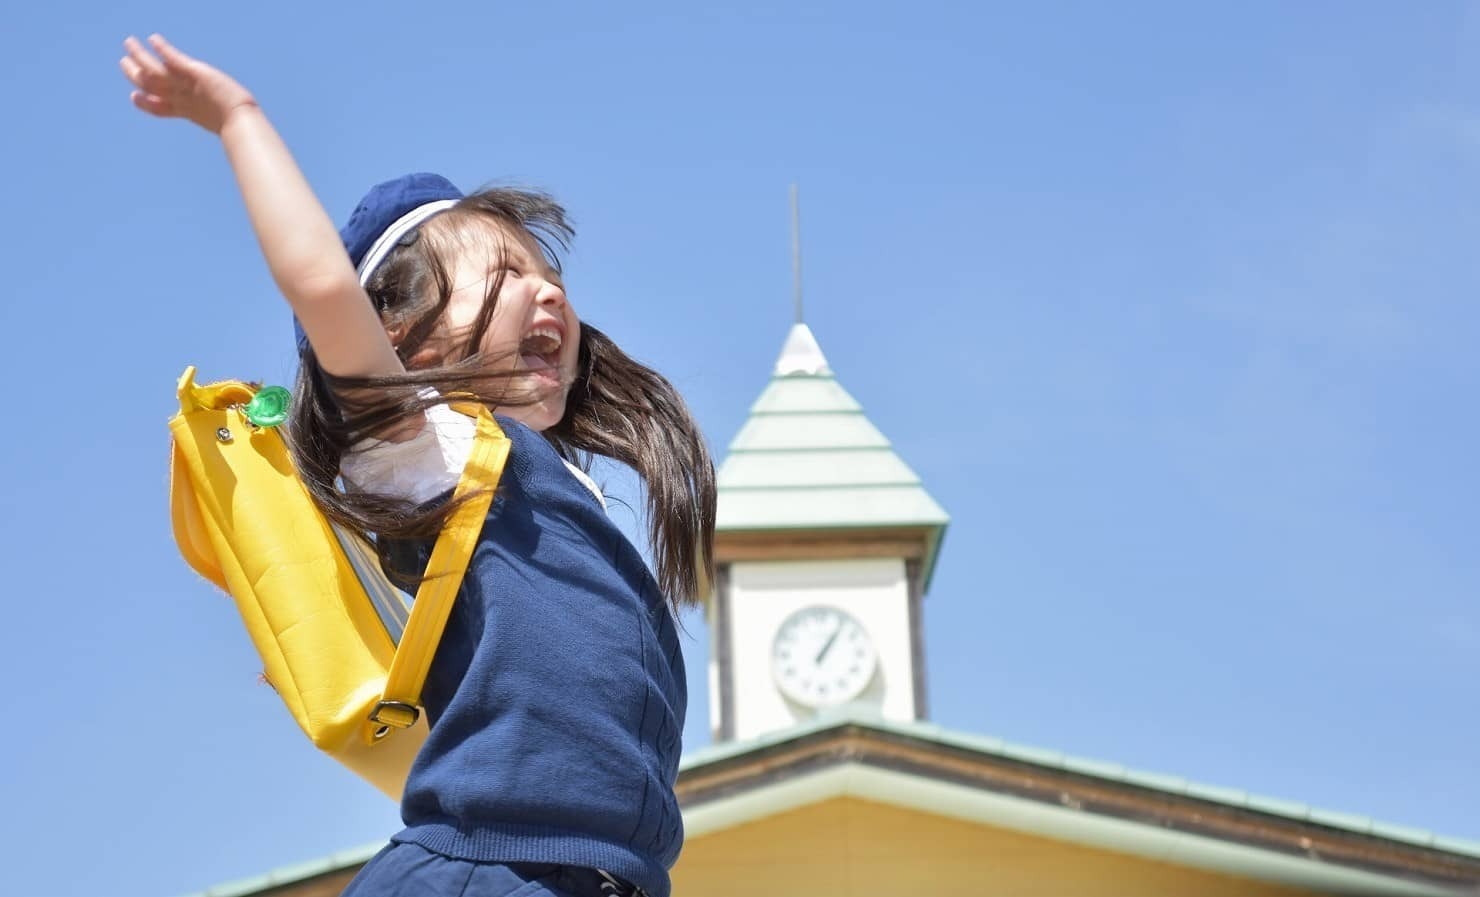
(337, 640)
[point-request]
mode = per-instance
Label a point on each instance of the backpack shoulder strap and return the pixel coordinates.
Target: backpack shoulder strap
(399, 704)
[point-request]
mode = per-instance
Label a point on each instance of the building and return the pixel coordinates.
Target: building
(825, 777)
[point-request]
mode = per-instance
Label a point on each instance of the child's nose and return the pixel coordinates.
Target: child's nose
(551, 294)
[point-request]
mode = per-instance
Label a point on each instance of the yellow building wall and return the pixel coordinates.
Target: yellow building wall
(854, 848)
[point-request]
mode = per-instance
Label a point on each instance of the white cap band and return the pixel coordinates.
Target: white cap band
(392, 235)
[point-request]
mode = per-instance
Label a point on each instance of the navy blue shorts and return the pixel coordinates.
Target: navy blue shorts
(410, 870)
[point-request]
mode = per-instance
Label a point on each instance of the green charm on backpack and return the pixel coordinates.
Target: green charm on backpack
(268, 408)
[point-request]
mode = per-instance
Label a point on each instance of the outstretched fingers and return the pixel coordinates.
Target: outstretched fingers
(146, 63)
(147, 73)
(132, 71)
(173, 59)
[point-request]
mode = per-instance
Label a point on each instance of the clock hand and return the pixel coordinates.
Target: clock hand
(828, 644)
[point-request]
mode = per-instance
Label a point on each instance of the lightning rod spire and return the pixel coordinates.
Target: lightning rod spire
(796, 252)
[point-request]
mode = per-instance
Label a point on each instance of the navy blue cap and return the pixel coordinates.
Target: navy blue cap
(383, 217)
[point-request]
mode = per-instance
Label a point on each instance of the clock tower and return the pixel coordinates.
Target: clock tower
(825, 543)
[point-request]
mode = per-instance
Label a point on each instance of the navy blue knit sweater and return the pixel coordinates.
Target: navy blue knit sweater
(557, 696)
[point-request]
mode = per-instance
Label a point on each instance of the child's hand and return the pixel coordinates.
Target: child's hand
(173, 85)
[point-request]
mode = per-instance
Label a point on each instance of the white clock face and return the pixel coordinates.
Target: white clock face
(822, 656)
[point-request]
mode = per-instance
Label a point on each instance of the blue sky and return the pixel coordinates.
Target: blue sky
(1172, 306)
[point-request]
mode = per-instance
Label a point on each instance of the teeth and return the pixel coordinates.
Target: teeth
(548, 333)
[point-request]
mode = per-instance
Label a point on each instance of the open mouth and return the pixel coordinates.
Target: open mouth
(540, 349)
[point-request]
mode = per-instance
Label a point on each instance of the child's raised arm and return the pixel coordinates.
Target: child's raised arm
(299, 241)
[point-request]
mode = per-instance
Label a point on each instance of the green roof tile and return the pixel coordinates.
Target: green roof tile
(812, 432)
(1231, 796)
(860, 467)
(1456, 845)
(798, 393)
(1039, 756)
(1287, 808)
(1348, 821)
(1094, 768)
(1155, 781)
(1403, 833)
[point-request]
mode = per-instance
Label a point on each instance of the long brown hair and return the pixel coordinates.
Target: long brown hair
(616, 406)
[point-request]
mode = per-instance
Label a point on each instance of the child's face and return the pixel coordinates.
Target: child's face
(533, 330)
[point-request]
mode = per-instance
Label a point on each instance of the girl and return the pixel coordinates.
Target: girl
(557, 696)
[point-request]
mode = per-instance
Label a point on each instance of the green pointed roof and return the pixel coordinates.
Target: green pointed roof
(808, 458)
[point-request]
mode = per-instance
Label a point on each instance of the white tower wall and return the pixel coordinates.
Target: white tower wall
(875, 591)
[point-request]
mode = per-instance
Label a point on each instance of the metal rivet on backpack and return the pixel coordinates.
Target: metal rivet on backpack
(223, 435)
